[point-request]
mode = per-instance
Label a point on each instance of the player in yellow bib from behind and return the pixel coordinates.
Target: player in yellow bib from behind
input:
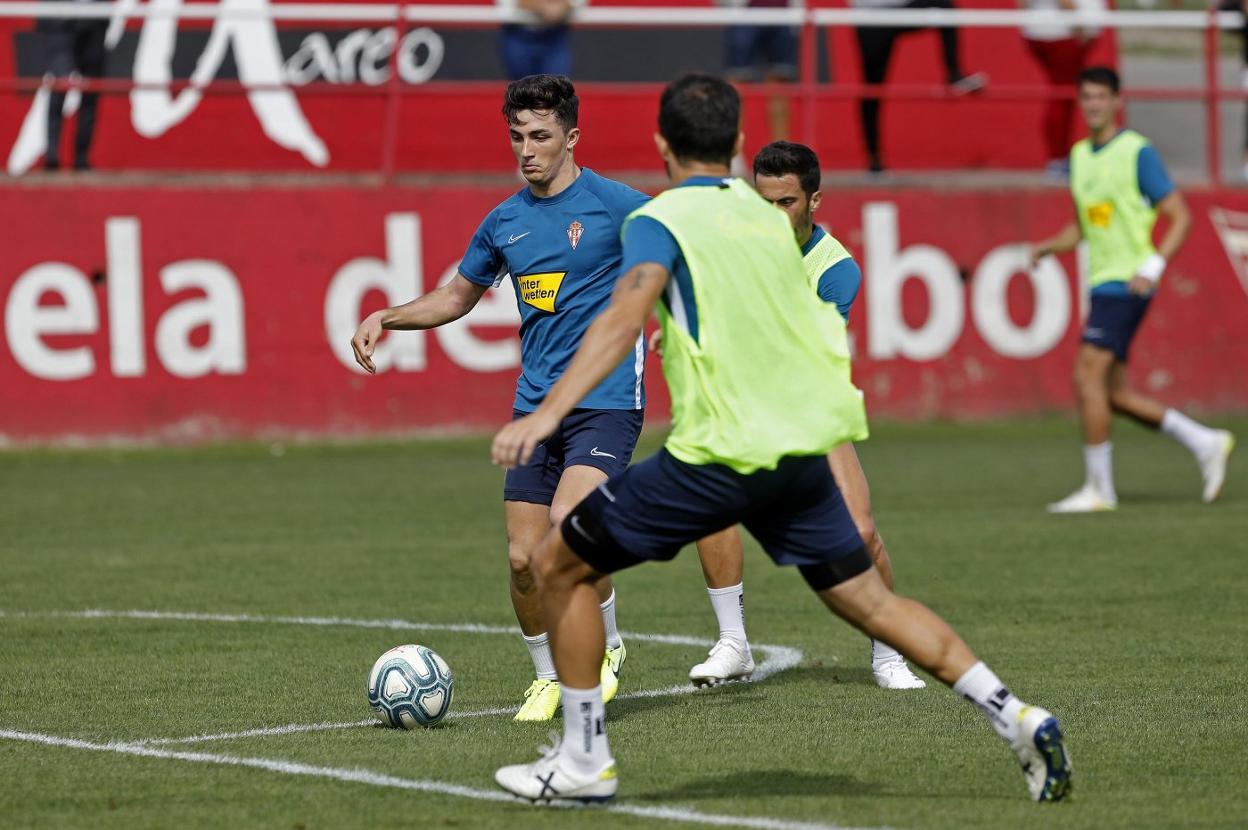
(788, 175)
(1119, 187)
(758, 369)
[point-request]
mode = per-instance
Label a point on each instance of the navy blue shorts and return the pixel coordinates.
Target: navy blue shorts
(758, 52)
(653, 509)
(601, 438)
(1112, 321)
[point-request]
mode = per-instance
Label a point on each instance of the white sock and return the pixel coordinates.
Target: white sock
(729, 606)
(608, 621)
(1197, 437)
(881, 653)
(543, 660)
(981, 687)
(584, 729)
(1098, 460)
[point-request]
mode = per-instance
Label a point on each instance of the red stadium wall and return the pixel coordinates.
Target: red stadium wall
(178, 314)
(223, 132)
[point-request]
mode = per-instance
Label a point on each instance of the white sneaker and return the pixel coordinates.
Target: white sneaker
(895, 674)
(1213, 466)
(727, 660)
(1042, 754)
(553, 777)
(1087, 499)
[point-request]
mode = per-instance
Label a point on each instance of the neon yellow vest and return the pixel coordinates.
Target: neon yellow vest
(768, 375)
(827, 252)
(1116, 219)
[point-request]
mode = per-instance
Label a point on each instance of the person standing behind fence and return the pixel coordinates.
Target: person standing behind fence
(1061, 51)
(543, 47)
(72, 48)
(875, 45)
(763, 53)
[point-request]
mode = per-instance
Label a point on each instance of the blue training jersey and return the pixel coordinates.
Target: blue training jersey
(563, 254)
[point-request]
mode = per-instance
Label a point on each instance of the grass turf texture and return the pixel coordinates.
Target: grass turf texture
(1129, 626)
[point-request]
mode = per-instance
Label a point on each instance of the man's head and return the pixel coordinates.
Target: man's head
(1098, 97)
(699, 121)
(787, 175)
(541, 113)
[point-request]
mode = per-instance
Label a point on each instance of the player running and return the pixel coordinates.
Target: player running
(559, 238)
(759, 375)
(788, 175)
(1119, 187)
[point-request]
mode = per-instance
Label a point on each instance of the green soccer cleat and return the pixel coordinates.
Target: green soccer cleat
(612, 664)
(541, 701)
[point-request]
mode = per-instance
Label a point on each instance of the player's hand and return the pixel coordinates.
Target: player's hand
(656, 342)
(365, 342)
(515, 443)
(1141, 286)
(1035, 253)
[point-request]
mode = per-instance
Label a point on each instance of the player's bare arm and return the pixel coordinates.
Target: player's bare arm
(1178, 225)
(608, 340)
(1064, 240)
(550, 11)
(443, 305)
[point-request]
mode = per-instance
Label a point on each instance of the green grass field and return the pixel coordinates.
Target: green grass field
(1131, 627)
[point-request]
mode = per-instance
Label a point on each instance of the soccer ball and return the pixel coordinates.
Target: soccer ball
(410, 686)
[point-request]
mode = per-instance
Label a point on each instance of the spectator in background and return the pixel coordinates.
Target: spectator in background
(73, 49)
(875, 45)
(1061, 51)
(763, 53)
(1240, 6)
(543, 47)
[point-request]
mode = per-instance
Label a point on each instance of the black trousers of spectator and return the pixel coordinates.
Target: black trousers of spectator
(875, 46)
(73, 46)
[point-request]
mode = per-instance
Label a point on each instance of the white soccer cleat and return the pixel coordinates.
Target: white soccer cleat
(1087, 499)
(553, 777)
(1042, 754)
(895, 674)
(728, 660)
(1213, 466)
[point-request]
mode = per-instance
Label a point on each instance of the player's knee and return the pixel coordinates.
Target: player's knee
(519, 559)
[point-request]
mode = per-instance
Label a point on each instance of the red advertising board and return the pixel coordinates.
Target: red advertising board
(189, 312)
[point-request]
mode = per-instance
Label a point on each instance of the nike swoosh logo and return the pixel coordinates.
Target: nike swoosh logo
(512, 239)
(575, 521)
(596, 452)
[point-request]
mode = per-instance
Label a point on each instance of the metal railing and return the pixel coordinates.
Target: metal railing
(808, 89)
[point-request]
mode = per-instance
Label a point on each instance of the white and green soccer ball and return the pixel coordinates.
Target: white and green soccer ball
(410, 686)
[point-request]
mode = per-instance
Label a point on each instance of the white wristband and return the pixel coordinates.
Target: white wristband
(1152, 268)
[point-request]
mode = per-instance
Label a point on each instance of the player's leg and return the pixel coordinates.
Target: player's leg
(808, 524)
(649, 512)
(888, 667)
(579, 767)
(1210, 447)
(528, 492)
(577, 482)
(722, 556)
(780, 56)
(1092, 367)
(925, 638)
(598, 444)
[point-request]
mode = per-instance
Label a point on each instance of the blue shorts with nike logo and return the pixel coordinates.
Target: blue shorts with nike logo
(1113, 320)
(600, 438)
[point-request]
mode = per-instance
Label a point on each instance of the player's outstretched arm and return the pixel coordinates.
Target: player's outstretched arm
(608, 340)
(444, 304)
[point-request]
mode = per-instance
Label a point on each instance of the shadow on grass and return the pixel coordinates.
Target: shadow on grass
(825, 675)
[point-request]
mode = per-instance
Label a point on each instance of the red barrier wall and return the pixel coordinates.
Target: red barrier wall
(187, 313)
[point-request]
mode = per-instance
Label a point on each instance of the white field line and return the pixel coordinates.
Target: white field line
(377, 779)
(776, 659)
